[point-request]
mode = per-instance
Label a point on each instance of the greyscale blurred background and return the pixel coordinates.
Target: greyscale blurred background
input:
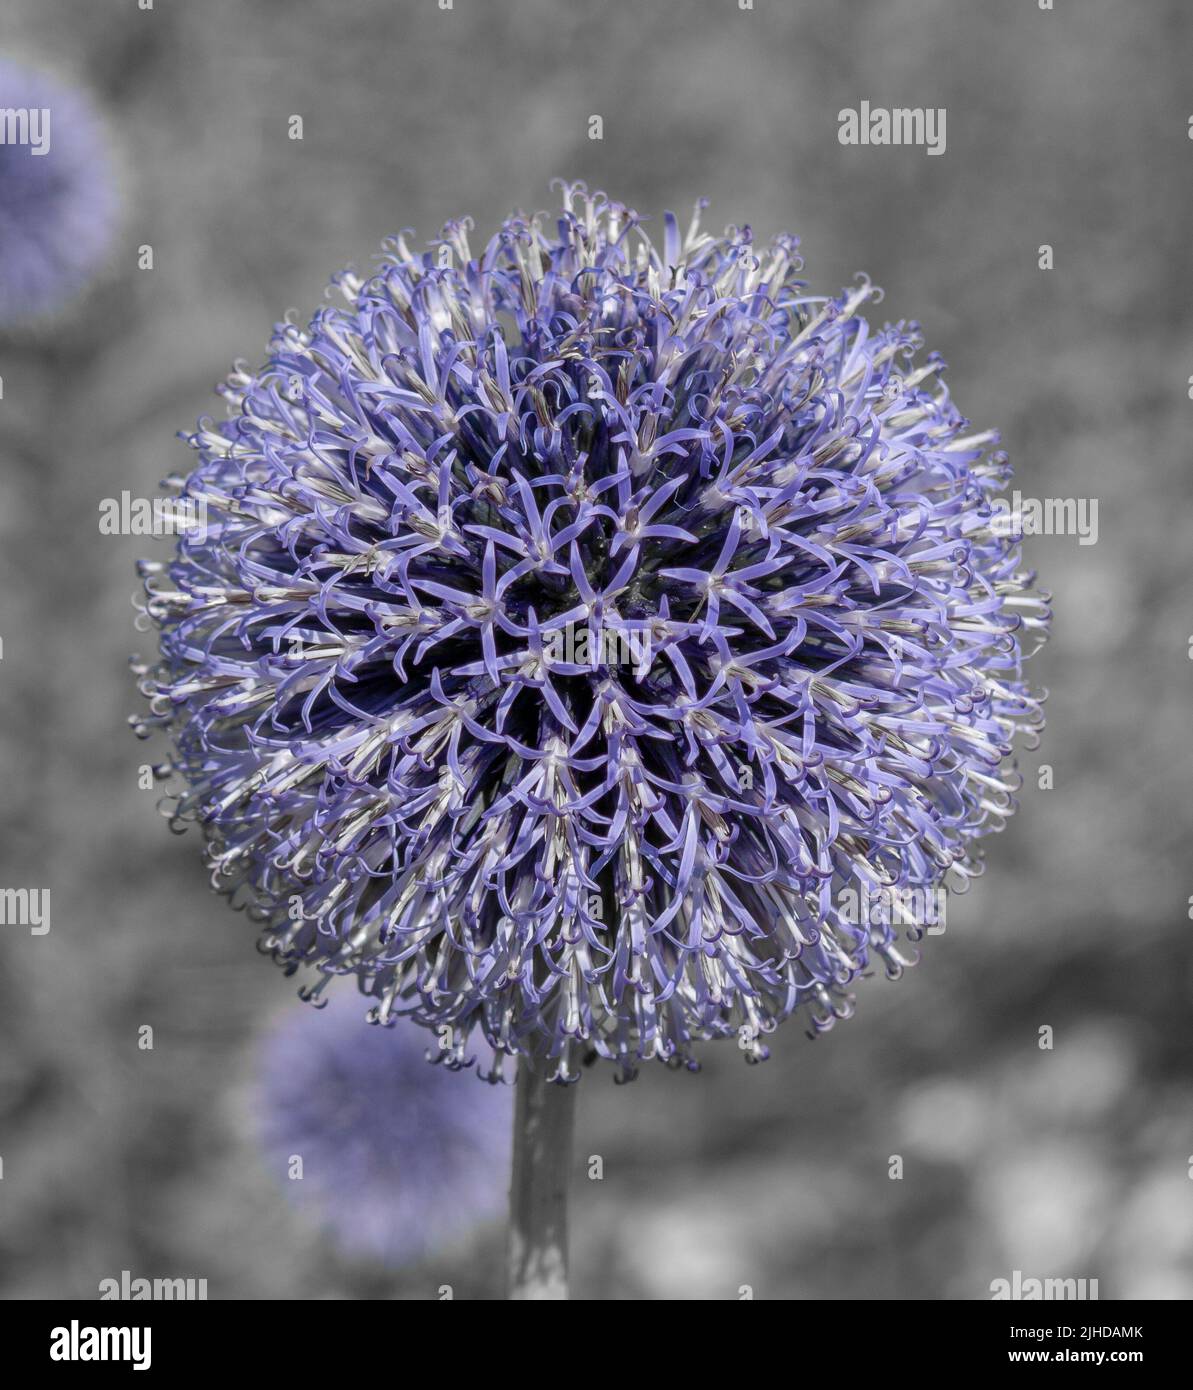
(1066, 127)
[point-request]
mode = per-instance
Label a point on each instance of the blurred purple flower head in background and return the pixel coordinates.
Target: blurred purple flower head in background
(410, 768)
(398, 1158)
(58, 194)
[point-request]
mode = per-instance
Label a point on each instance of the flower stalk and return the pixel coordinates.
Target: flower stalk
(544, 1121)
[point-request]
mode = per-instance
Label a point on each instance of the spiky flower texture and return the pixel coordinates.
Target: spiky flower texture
(576, 626)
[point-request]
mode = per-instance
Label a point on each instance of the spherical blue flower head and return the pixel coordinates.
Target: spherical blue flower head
(58, 196)
(576, 625)
(398, 1158)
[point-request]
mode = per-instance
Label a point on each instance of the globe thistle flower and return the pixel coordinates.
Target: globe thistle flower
(58, 197)
(412, 770)
(398, 1159)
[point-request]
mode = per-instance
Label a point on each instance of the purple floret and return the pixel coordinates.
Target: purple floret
(58, 207)
(398, 1158)
(800, 670)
